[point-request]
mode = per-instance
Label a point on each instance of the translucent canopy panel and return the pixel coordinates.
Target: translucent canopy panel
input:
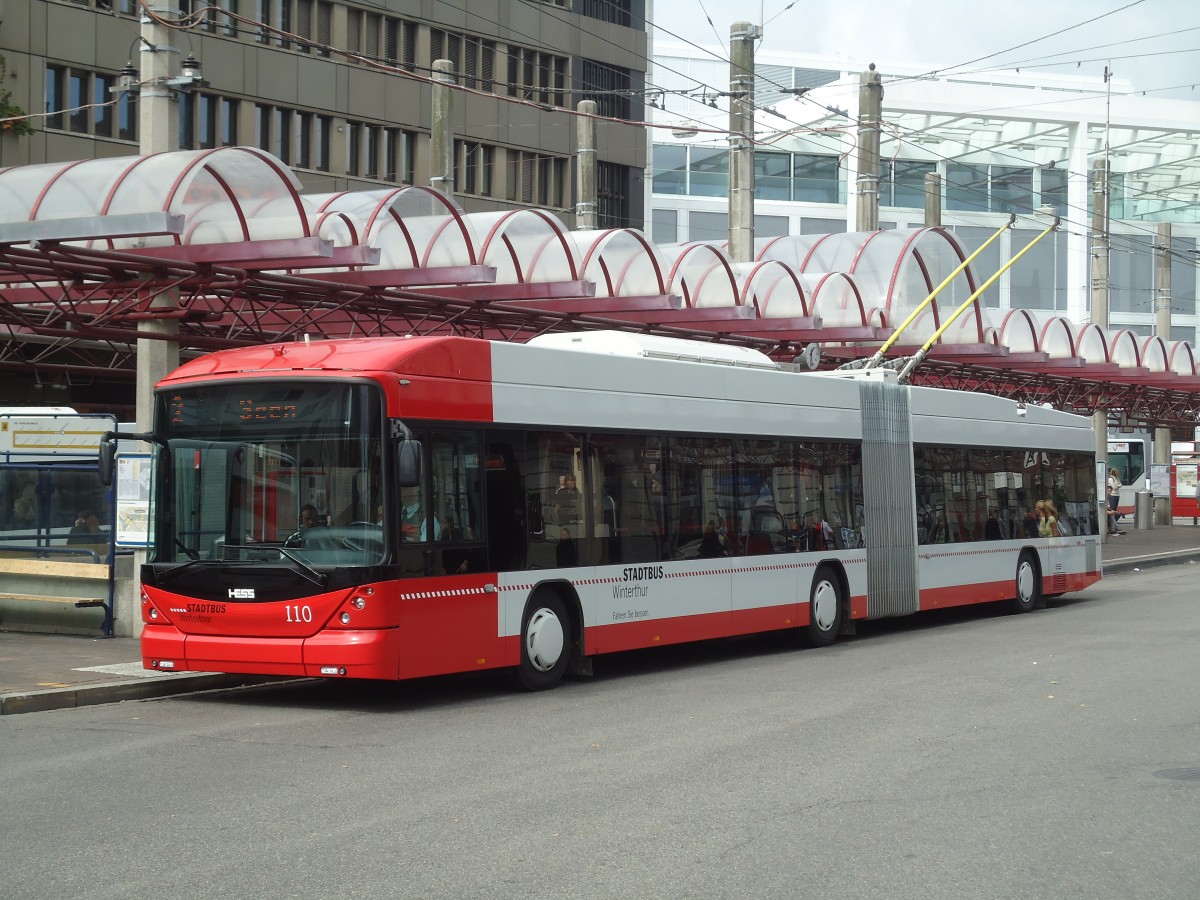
(1125, 350)
(621, 262)
(808, 252)
(1057, 338)
(339, 228)
(224, 194)
(266, 219)
(1019, 331)
(835, 297)
(1091, 342)
(703, 276)
(23, 189)
(894, 270)
(967, 328)
(412, 226)
(1153, 353)
(1182, 358)
(774, 290)
(525, 246)
(921, 259)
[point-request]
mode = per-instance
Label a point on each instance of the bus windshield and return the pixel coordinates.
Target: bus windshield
(1129, 459)
(270, 472)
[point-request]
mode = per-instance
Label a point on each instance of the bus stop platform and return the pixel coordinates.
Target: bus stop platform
(41, 672)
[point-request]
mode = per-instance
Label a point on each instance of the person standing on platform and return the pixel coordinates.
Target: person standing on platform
(1114, 497)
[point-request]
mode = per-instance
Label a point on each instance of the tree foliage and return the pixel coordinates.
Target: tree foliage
(12, 117)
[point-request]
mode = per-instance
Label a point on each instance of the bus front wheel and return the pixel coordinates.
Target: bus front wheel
(1028, 584)
(826, 604)
(544, 646)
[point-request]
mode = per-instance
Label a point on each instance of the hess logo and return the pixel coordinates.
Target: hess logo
(241, 593)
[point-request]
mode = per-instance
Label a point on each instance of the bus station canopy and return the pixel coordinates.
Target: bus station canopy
(224, 244)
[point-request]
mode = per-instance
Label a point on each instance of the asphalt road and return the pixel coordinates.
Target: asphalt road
(964, 754)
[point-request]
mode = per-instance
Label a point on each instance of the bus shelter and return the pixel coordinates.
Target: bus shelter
(221, 248)
(57, 521)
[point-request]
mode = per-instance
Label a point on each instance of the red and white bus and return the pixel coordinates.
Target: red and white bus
(399, 507)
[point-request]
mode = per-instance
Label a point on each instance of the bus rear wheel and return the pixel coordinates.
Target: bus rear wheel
(826, 605)
(545, 649)
(1028, 584)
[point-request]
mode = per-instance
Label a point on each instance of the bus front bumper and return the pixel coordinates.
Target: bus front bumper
(328, 654)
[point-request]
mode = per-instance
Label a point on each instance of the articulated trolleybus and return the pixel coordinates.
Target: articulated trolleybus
(391, 508)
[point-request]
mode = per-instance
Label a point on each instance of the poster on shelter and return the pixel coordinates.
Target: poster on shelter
(133, 500)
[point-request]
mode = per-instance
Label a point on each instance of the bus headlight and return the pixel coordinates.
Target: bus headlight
(345, 618)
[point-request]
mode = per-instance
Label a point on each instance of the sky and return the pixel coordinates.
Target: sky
(1153, 43)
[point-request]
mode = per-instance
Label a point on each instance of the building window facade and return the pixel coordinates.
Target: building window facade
(610, 86)
(82, 102)
(536, 179)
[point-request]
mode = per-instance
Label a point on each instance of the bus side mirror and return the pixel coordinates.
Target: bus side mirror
(108, 454)
(408, 463)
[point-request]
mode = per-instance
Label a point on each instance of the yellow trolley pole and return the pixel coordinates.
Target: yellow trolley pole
(887, 345)
(920, 355)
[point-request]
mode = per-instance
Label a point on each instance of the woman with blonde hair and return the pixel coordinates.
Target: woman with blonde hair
(1050, 520)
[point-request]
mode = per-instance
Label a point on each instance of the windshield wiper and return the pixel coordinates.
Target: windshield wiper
(306, 571)
(170, 574)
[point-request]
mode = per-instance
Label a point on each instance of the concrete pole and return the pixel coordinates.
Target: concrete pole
(585, 172)
(441, 164)
(1100, 298)
(158, 106)
(158, 132)
(742, 36)
(933, 200)
(1162, 328)
(870, 114)
(158, 352)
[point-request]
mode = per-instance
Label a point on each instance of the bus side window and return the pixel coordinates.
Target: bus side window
(505, 503)
(455, 483)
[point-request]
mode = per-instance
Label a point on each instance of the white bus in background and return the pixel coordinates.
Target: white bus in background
(1131, 457)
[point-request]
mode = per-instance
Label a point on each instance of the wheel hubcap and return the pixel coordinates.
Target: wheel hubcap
(1025, 582)
(544, 640)
(824, 606)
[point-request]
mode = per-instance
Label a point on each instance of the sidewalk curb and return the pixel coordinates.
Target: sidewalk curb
(132, 689)
(1132, 564)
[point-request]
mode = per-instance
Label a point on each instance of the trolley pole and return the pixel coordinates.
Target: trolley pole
(1100, 297)
(870, 115)
(742, 36)
(1162, 328)
(441, 138)
(585, 171)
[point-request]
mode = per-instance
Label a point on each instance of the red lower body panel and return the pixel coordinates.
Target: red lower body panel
(362, 654)
(988, 592)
